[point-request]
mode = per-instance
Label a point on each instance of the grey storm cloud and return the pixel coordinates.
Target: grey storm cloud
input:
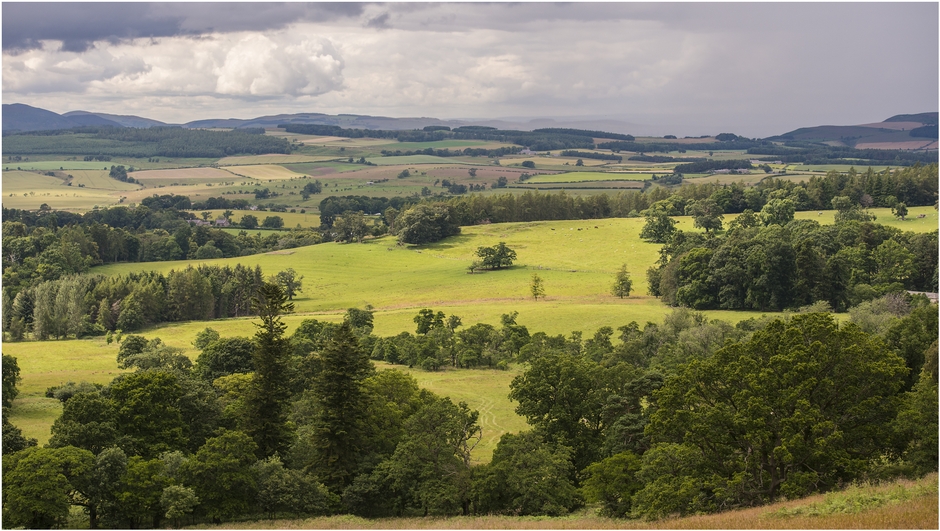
(753, 68)
(78, 25)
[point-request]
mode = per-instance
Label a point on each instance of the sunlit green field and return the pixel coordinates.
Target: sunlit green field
(47, 165)
(588, 176)
(99, 179)
(409, 159)
(577, 267)
(27, 190)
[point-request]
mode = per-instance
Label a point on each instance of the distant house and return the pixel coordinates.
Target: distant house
(932, 296)
(527, 151)
(199, 222)
(222, 222)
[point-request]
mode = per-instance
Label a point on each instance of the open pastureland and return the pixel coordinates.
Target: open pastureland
(589, 176)
(271, 159)
(30, 190)
(98, 179)
(263, 172)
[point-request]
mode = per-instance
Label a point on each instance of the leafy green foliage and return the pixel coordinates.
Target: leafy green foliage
(496, 257)
(622, 283)
(527, 476)
(613, 482)
(220, 475)
(748, 408)
(269, 393)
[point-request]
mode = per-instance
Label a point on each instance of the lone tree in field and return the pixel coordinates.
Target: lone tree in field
(537, 287)
(289, 282)
(622, 283)
(900, 211)
(496, 257)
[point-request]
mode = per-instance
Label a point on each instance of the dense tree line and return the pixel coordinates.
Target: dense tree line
(772, 262)
(88, 305)
(712, 165)
(446, 152)
(585, 132)
(333, 206)
(814, 153)
(646, 423)
(36, 248)
(149, 142)
(591, 155)
(539, 141)
(665, 147)
(664, 158)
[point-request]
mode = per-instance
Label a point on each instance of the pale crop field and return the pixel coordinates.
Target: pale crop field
(181, 175)
(265, 172)
(272, 159)
(28, 191)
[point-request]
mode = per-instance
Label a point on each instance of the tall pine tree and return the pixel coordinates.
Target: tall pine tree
(269, 395)
(338, 425)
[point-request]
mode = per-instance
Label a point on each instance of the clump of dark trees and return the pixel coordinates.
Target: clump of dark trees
(94, 305)
(145, 142)
(916, 185)
(644, 424)
(49, 245)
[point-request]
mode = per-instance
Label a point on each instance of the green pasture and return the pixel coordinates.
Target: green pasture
(837, 167)
(443, 144)
(48, 165)
(271, 159)
(588, 176)
(883, 216)
(484, 390)
(28, 191)
(99, 179)
(409, 159)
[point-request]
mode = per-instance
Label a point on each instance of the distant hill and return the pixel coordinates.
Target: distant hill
(117, 119)
(926, 118)
(903, 131)
(20, 117)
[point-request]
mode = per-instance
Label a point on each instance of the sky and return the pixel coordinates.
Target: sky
(755, 69)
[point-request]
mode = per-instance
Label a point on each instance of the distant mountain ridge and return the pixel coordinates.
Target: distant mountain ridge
(902, 131)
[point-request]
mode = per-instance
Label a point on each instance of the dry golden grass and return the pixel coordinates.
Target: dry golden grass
(183, 174)
(917, 513)
(263, 172)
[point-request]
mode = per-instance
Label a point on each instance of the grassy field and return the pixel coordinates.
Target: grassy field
(28, 190)
(182, 175)
(409, 159)
(485, 390)
(100, 180)
(271, 159)
(264, 172)
(46, 165)
(588, 176)
(901, 504)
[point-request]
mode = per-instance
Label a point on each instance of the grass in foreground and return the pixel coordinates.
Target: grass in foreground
(918, 510)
